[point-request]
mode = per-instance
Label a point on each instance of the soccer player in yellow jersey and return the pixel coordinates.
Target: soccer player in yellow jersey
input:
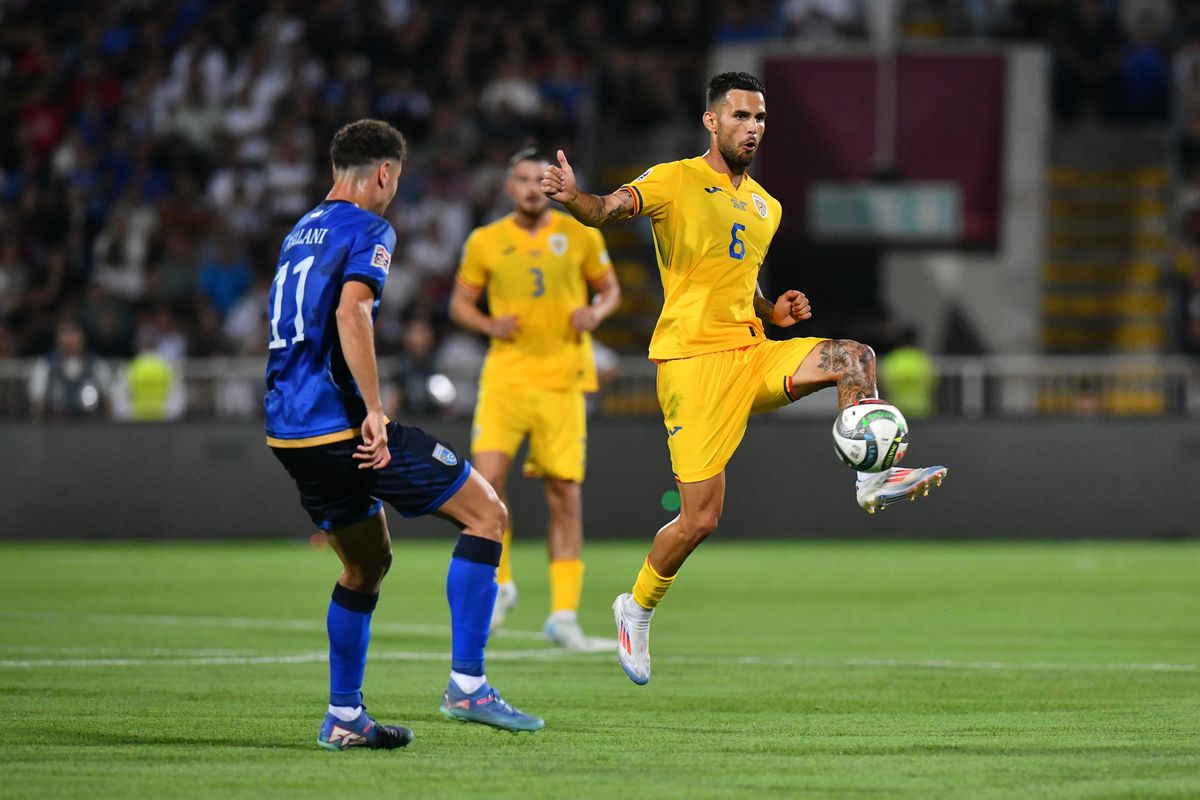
(536, 265)
(712, 226)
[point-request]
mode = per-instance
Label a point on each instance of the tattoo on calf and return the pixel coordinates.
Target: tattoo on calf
(854, 365)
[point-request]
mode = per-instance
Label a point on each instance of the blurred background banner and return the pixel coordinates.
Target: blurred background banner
(1002, 198)
(945, 125)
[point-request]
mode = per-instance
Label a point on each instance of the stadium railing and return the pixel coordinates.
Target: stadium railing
(967, 387)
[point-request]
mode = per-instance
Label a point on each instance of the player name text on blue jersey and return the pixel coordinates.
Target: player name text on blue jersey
(305, 236)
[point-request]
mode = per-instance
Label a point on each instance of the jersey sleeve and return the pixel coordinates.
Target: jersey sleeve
(472, 271)
(655, 188)
(371, 255)
(596, 263)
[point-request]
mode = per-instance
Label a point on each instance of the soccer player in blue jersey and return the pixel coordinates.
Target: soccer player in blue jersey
(325, 424)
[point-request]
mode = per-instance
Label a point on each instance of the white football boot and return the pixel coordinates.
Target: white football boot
(896, 484)
(563, 629)
(506, 601)
(633, 638)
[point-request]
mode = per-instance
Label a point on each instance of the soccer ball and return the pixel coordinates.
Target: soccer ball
(870, 436)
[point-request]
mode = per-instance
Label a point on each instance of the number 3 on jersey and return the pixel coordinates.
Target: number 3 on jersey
(539, 281)
(737, 247)
(300, 269)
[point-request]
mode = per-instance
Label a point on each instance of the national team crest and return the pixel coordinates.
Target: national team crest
(760, 205)
(445, 455)
(558, 244)
(381, 258)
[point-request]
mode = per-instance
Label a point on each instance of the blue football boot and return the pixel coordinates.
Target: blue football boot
(361, 732)
(486, 706)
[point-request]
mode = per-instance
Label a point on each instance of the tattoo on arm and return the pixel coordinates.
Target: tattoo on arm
(853, 364)
(594, 210)
(763, 307)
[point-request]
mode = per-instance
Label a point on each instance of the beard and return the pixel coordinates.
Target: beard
(735, 158)
(532, 206)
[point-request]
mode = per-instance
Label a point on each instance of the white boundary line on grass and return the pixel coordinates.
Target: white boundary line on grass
(248, 623)
(193, 657)
(298, 658)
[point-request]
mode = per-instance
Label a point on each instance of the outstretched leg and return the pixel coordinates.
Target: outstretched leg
(471, 592)
(850, 366)
(494, 465)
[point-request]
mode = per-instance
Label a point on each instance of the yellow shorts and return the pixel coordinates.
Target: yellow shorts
(707, 400)
(554, 421)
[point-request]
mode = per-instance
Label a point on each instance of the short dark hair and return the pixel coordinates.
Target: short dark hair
(527, 154)
(366, 142)
(722, 83)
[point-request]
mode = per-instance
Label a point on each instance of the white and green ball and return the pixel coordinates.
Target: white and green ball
(870, 436)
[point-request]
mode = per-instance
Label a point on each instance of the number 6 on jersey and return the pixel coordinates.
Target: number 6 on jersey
(737, 247)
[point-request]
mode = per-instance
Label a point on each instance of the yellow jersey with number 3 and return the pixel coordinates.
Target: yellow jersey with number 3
(710, 240)
(540, 277)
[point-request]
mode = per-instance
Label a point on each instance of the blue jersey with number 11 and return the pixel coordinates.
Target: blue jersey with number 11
(311, 396)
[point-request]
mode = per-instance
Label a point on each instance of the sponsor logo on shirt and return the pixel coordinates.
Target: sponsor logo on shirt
(381, 258)
(642, 177)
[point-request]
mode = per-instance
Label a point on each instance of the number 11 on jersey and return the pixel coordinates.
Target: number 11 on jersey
(300, 269)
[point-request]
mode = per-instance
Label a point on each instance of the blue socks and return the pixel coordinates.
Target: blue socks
(349, 626)
(471, 590)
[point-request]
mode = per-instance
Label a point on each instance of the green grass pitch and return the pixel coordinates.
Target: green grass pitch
(780, 670)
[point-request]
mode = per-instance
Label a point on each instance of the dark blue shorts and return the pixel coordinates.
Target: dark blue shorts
(422, 475)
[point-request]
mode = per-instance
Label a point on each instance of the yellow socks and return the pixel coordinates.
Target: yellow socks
(566, 584)
(504, 571)
(649, 588)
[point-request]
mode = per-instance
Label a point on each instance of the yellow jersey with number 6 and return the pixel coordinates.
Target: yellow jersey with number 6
(710, 240)
(540, 277)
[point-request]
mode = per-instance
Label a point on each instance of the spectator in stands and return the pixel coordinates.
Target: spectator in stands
(224, 274)
(419, 390)
(70, 383)
(1087, 63)
(1185, 69)
(1145, 73)
(14, 277)
(821, 20)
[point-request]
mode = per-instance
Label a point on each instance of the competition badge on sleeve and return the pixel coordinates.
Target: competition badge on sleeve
(382, 258)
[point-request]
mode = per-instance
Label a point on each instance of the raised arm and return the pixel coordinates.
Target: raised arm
(558, 183)
(356, 330)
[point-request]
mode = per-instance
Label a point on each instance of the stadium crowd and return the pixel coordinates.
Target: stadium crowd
(155, 153)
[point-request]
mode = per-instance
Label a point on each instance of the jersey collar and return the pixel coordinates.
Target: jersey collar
(725, 176)
(534, 236)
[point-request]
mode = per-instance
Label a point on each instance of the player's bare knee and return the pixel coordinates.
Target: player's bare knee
(562, 494)
(363, 577)
(852, 356)
(387, 563)
(492, 521)
(697, 527)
